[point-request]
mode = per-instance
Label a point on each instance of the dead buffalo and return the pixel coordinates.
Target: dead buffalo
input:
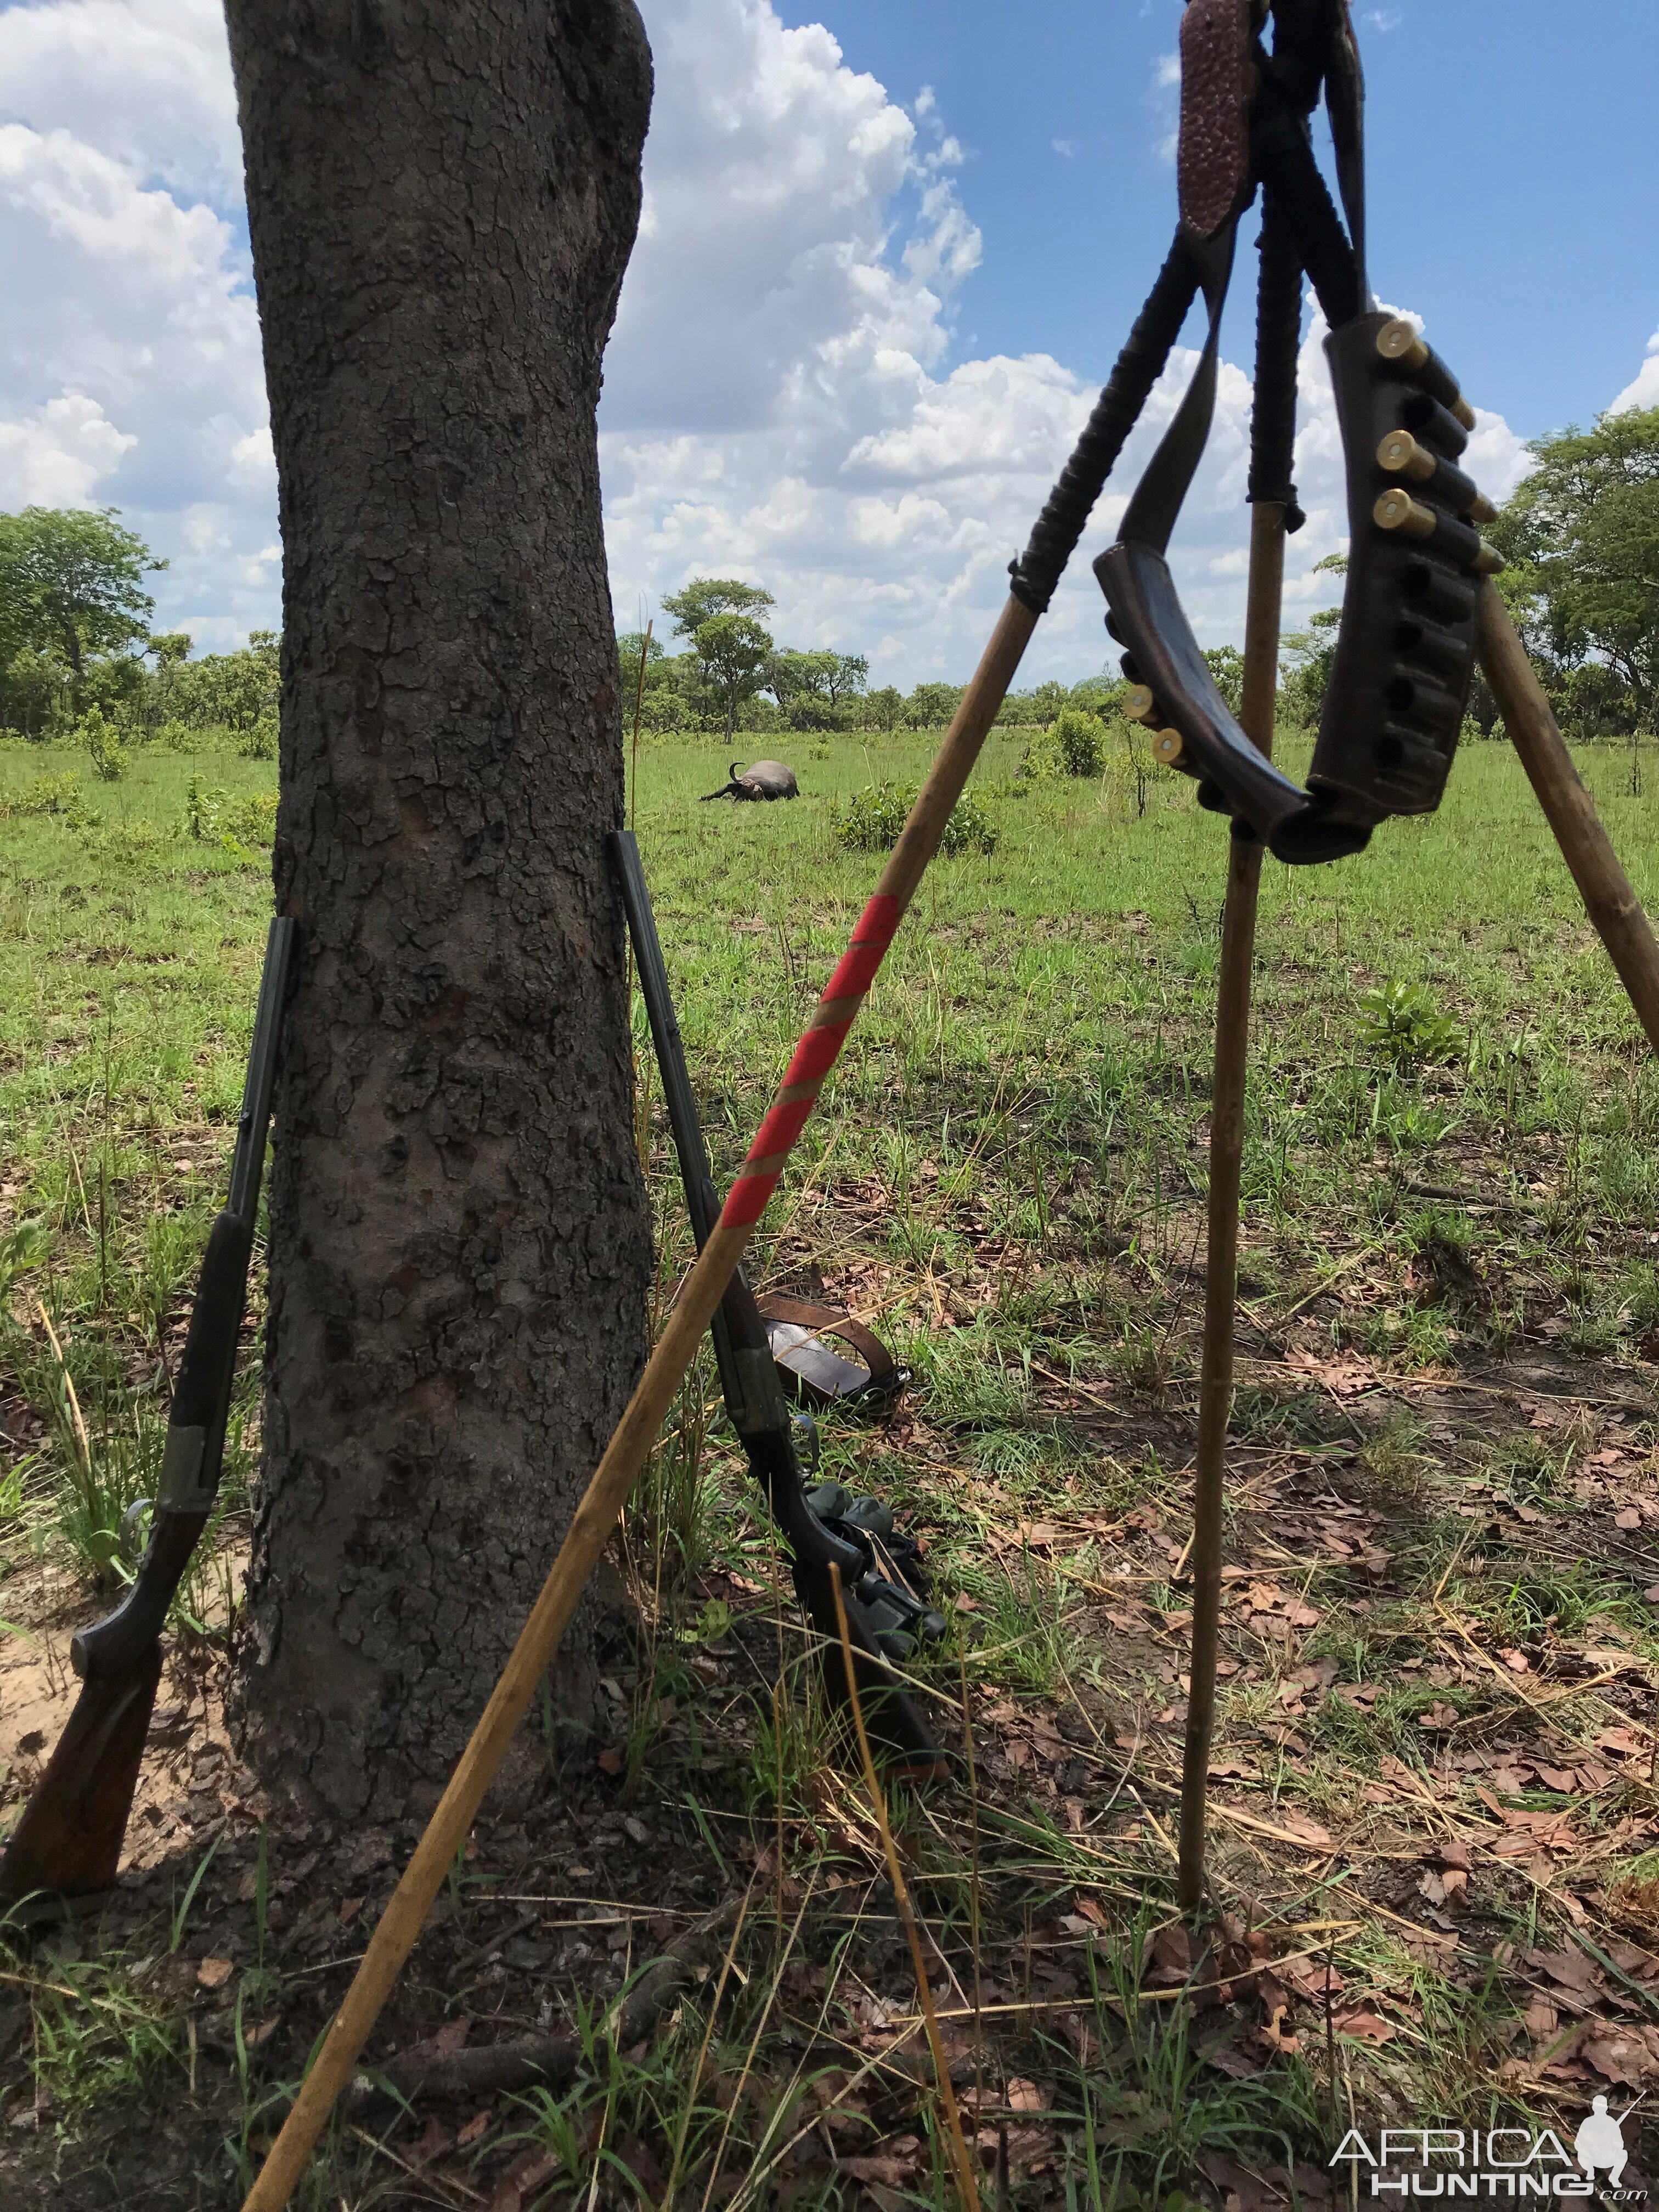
(764, 779)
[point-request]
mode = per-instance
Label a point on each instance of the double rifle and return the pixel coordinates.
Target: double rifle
(68, 1840)
(68, 1837)
(1418, 611)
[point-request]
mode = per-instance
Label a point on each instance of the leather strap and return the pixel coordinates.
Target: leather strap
(797, 1327)
(1344, 102)
(1151, 515)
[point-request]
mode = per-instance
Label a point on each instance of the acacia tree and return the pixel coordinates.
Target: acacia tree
(71, 586)
(733, 650)
(846, 678)
(441, 198)
(705, 597)
(793, 677)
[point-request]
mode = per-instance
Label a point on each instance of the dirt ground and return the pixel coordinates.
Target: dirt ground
(1471, 1923)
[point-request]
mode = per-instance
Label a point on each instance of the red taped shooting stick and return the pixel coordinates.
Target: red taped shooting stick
(625, 1455)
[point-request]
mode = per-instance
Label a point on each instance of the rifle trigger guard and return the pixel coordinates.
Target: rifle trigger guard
(126, 1537)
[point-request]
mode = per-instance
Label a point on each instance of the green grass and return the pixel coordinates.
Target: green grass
(1450, 1158)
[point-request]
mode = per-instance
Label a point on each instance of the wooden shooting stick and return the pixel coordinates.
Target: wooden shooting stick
(1605, 888)
(1612, 905)
(1232, 1036)
(594, 1518)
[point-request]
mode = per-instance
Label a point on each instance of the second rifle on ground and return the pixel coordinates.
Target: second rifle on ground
(823, 1526)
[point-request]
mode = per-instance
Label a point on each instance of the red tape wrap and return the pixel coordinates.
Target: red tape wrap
(811, 1061)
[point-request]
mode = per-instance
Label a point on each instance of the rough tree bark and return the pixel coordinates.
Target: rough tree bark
(441, 198)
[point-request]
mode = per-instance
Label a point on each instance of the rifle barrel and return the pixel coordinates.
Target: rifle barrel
(248, 1163)
(682, 1117)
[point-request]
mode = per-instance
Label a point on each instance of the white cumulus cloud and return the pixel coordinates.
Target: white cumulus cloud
(57, 455)
(785, 397)
(147, 82)
(1642, 391)
(129, 366)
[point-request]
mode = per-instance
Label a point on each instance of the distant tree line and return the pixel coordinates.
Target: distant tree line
(1581, 534)
(730, 674)
(78, 655)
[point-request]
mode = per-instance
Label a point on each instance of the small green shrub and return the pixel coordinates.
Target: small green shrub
(1041, 760)
(1071, 746)
(21, 1248)
(1081, 737)
(260, 742)
(137, 839)
(201, 808)
(1402, 1022)
(237, 824)
(103, 742)
(1075, 743)
(875, 816)
(57, 795)
(1639, 1299)
(252, 820)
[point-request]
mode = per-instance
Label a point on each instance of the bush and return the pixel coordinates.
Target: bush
(251, 821)
(1075, 743)
(201, 808)
(102, 740)
(1042, 757)
(1402, 1022)
(260, 742)
(52, 794)
(235, 823)
(1081, 737)
(876, 815)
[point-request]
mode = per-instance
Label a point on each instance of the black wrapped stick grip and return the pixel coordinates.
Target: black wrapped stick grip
(1062, 523)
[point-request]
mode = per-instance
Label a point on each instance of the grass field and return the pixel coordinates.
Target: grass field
(1436, 1839)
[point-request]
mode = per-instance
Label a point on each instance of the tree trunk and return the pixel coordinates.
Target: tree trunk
(441, 197)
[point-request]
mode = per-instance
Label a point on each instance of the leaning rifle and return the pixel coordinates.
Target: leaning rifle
(824, 1527)
(69, 1836)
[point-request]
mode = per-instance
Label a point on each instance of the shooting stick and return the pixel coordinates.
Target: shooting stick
(1035, 576)
(1609, 901)
(1611, 905)
(590, 1528)
(1232, 1037)
(1273, 514)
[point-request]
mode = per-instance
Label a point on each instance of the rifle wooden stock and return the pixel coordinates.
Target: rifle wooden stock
(70, 1838)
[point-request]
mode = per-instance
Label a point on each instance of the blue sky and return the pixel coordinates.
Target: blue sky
(888, 253)
(1516, 208)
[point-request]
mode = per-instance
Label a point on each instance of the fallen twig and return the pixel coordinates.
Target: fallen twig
(426, 2071)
